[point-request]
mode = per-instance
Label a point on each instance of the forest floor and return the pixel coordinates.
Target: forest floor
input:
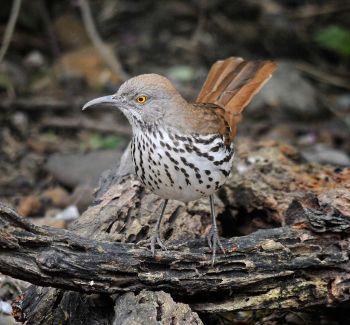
(52, 154)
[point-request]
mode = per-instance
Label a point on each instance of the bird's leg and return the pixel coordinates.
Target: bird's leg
(213, 237)
(155, 239)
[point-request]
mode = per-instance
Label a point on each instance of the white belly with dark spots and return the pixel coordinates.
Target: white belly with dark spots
(179, 167)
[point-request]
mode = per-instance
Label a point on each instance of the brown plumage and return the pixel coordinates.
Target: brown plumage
(231, 85)
(183, 151)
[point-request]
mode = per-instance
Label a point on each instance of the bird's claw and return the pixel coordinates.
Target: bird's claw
(155, 239)
(214, 241)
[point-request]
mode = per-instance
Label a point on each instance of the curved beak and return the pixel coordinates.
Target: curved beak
(111, 100)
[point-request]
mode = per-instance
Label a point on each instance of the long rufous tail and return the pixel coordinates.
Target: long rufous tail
(232, 83)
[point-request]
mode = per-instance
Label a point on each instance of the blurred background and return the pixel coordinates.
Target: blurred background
(56, 55)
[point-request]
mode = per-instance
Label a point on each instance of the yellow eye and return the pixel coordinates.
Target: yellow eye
(141, 99)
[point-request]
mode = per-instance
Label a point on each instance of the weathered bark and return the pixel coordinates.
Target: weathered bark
(298, 266)
(152, 308)
(38, 255)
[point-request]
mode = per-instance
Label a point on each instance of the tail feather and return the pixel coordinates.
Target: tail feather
(232, 83)
(217, 74)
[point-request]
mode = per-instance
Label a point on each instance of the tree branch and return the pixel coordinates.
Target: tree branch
(264, 269)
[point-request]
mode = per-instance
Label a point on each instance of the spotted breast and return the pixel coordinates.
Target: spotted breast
(180, 167)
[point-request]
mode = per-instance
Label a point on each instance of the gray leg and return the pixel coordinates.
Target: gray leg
(156, 237)
(213, 237)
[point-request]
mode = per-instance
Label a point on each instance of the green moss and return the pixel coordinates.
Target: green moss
(335, 38)
(98, 141)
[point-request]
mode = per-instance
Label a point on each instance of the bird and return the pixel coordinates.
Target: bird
(184, 151)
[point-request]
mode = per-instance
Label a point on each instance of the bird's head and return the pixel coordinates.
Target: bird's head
(147, 98)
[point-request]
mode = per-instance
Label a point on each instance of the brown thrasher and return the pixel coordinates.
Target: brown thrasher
(184, 151)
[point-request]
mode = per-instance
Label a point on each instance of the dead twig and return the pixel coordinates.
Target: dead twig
(324, 76)
(16, 6)
(309, 11)
(110, 58)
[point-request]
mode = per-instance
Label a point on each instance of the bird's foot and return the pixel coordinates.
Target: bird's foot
(155, 240)
(214, 241)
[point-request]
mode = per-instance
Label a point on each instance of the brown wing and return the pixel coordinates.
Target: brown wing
(231, 84)
(210, 118)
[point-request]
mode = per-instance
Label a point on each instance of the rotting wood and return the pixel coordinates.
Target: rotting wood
(299, 262)
(301, 265)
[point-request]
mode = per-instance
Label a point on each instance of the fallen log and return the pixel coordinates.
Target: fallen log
(302, 264)
(60, 258)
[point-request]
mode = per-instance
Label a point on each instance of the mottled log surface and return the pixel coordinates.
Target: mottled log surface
(152, 308)
(303, 264)
(38, 255)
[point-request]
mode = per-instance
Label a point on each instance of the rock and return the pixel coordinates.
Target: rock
(152, 308)
(79, 168)
(68, 214)
(5, 307)
(290, 92)
(29, 206)
(34, 60)
(325, 155)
